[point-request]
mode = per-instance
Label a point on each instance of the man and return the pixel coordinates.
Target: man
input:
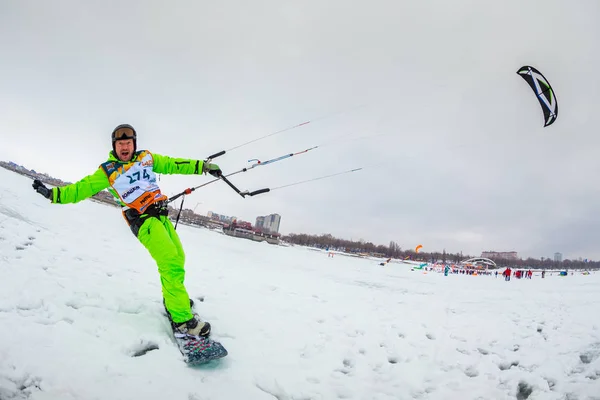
(130, 177)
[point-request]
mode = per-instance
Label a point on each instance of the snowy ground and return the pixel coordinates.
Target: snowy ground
(79, 295)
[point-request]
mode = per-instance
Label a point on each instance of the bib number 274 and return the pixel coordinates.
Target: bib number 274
(136, 176)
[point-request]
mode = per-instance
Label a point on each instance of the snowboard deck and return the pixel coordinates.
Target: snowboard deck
(199, 350)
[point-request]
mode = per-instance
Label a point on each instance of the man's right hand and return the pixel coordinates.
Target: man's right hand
(212, 169)
(42, 189)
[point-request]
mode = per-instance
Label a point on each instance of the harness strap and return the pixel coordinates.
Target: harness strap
(136, 220)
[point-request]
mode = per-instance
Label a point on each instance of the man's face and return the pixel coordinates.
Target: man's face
(124, 149)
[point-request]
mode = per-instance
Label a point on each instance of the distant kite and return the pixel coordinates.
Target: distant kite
(419, 247)
(544, 92)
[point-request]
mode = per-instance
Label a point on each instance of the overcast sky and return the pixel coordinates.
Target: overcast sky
(457, 157)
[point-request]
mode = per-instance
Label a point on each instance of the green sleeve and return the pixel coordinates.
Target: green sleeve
(85, 188)
(183, 166)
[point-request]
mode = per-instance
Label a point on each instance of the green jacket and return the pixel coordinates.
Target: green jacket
(104, 177)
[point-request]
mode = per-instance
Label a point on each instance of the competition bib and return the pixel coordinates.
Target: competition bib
(135, 181)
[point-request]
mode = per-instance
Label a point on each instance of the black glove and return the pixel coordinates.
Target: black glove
(212, 169)
(42, 189)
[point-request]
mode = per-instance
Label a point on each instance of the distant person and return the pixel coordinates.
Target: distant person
(130, 176)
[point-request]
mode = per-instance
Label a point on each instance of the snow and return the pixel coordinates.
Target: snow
(79, 296)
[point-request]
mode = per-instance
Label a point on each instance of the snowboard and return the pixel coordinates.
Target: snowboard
(197, 349)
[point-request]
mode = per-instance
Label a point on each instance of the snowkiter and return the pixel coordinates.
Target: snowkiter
(130, 176)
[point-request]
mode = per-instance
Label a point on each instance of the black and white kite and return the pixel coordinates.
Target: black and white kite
(544, 92)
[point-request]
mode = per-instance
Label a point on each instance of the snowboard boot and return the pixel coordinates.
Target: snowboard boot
(193, 327)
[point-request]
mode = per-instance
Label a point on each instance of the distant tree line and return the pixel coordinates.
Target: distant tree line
(328, 241)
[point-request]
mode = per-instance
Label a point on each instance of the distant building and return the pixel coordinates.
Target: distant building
(558, 257)
(260, 222)
(502, 255)
(268, 223)
(221, 218)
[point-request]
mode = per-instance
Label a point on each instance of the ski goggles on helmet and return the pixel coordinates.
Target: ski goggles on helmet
(123, 133)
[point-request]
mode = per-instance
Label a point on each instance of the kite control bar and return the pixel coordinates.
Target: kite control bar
(221, 177)
(224, 179)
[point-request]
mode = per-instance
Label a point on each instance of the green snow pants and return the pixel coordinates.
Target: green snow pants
(158, 235)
